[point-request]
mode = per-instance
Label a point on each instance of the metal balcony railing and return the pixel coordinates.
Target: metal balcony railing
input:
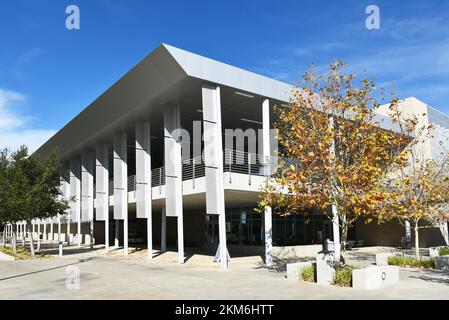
(234, 161)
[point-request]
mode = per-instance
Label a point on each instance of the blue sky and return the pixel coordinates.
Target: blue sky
(48, 74)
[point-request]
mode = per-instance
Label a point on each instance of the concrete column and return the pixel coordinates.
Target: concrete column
(87, 191)
(75, 194)
(44, 236)
(117, 234)
(143, 179)
(408, 230)
(336, 232)
(65, 194)
(59, 228)
(52, 238)
(163, 230)
(38, 235)
(266, 153)
(102, 188)
(121, 184)
(173, 171)
(335, 218)
(213, 159)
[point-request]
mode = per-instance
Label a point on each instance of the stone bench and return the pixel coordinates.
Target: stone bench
(442, 263)
(374, 277)
(294, 269)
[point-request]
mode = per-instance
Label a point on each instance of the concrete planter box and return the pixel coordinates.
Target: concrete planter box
(324, 268)
(289, 252)
(6, 257)
(294, 269)
(433, 251)
(374, 277)
(442, 263)
(382, 259)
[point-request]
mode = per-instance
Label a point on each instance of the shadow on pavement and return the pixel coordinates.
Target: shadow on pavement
(49, 269)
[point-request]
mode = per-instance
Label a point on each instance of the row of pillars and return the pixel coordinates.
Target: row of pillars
(79, 188)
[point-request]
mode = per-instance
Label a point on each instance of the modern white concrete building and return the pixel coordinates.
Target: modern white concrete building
(134, 176)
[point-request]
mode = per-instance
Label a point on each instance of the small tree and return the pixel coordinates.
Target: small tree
(8, 194)
(417, 187)
(32, 187)
(334, 150)
(39, 188)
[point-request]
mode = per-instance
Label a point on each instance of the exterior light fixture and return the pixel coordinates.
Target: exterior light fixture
(244, 94)
(252, 121)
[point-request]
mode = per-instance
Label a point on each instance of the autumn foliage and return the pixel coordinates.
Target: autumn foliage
(333, 149)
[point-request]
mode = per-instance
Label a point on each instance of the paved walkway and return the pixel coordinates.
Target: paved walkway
(113, 276)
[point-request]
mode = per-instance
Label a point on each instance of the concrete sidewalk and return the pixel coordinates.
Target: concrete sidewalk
(117, 277)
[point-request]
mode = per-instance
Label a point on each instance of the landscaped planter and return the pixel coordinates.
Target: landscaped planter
(374, 277)
(6, 257)
(442, 263)
(294, 269)
(324, 268)
(382, 259)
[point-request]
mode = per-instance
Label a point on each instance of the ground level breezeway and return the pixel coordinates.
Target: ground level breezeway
(117, 277)
(245, 231)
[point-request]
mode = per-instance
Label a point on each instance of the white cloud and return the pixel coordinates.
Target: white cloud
(14, 130)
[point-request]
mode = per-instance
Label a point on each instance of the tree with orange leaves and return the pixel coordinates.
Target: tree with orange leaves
(417, 192)
(334, 150)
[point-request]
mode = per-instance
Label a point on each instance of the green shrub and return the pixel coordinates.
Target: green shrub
(308, 273)
(411, 262)
(443, 251)
(343, 277)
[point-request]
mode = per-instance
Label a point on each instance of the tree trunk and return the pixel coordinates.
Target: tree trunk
(31, 241)
(417, 241)
(344, 234)
(4, 239)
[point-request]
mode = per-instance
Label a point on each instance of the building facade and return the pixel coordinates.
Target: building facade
(173, 155)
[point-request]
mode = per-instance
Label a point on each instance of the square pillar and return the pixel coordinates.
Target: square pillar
(87, 190)
(38, 234)
(75, 195)
(143, 179)
(121, 184)
(102, 188)
(59, 228)
(163, 230)
(213, 161)
(64, 187)
(51, 238)
(44, 235)
(173, 171)
(266, 154)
